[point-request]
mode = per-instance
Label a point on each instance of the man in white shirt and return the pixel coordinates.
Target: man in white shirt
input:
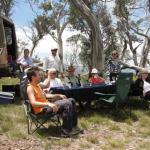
(53, 61)
(71, 79)
(54, 81)
(25, 61)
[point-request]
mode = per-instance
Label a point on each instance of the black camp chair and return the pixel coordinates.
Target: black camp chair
(36, 121)
(123, 84)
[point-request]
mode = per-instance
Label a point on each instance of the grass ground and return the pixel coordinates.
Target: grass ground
(105, 129)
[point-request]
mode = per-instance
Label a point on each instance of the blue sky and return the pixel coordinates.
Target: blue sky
(22, 17)
(22, 13)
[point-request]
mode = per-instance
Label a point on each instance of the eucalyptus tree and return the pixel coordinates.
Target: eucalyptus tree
(96, 22)
(6, 7)
(133, 28)
(52, 19)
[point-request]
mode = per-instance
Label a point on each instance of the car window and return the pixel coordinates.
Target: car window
(8, 34)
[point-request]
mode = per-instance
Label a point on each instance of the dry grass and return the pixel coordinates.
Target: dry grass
(104, 129)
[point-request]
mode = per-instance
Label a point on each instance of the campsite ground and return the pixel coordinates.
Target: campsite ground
(104, 129)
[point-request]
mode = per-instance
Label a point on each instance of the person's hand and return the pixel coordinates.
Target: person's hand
(49, 73)
(53, 106)
(62, 96)
(46, 90)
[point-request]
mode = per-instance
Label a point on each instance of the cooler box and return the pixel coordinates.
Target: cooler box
(12, 88)
(6, 98)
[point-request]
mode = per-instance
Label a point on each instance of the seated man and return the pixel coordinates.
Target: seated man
(25, 61)
(137, 86)
(71, 79)
(145, 83)
(40, 104)
(54, 82)
(95, 78)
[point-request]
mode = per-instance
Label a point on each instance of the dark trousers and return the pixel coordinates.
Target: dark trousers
(67, 109)
(113, 76)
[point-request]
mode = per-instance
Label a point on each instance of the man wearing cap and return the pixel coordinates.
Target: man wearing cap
(53, 61)
(95, 78)
(71, 78)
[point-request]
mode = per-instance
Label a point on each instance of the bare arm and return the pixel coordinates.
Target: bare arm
(90, 80)
(46, 83)
(32, 99)
(56, 96)
(101, 78)
(45, 63)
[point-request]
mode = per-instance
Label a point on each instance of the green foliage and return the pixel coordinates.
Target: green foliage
(6, 7)
(51, 17)
(108, 31)
(121, 9)
(46, 6)
(42, 24)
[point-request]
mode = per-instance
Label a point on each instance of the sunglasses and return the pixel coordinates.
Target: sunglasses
(54, 73)
(114, 54)
(144, 73)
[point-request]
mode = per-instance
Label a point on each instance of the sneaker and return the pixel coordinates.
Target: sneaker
(77, 129)
(69, 132)
(65, 133)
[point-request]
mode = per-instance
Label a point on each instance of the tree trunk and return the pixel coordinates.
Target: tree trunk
(124, 49)
(132, 49)
(97, 46)
(145, 54)
(59, 39)
(60, 48)
(35, 43)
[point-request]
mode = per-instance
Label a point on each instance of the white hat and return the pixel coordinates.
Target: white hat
(94, 70)
(52, 70)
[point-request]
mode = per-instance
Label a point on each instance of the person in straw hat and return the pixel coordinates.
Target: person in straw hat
(71, 78)
(53, 61)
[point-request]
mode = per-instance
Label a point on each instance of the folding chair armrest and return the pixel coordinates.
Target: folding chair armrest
(27, 101)
(103, 94)
(110, 99)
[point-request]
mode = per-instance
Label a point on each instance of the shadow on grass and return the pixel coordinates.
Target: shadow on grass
(52, 132)
(18, 101)
(119, 114)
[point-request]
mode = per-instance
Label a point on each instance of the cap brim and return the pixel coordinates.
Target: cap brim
(54, 49)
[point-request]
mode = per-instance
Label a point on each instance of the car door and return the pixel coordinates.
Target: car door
(3, 50)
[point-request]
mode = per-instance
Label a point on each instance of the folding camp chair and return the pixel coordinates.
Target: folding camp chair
(36, 121)
(123, 84)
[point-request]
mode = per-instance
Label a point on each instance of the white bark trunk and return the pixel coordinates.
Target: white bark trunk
(145, 54)
(97, 46)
